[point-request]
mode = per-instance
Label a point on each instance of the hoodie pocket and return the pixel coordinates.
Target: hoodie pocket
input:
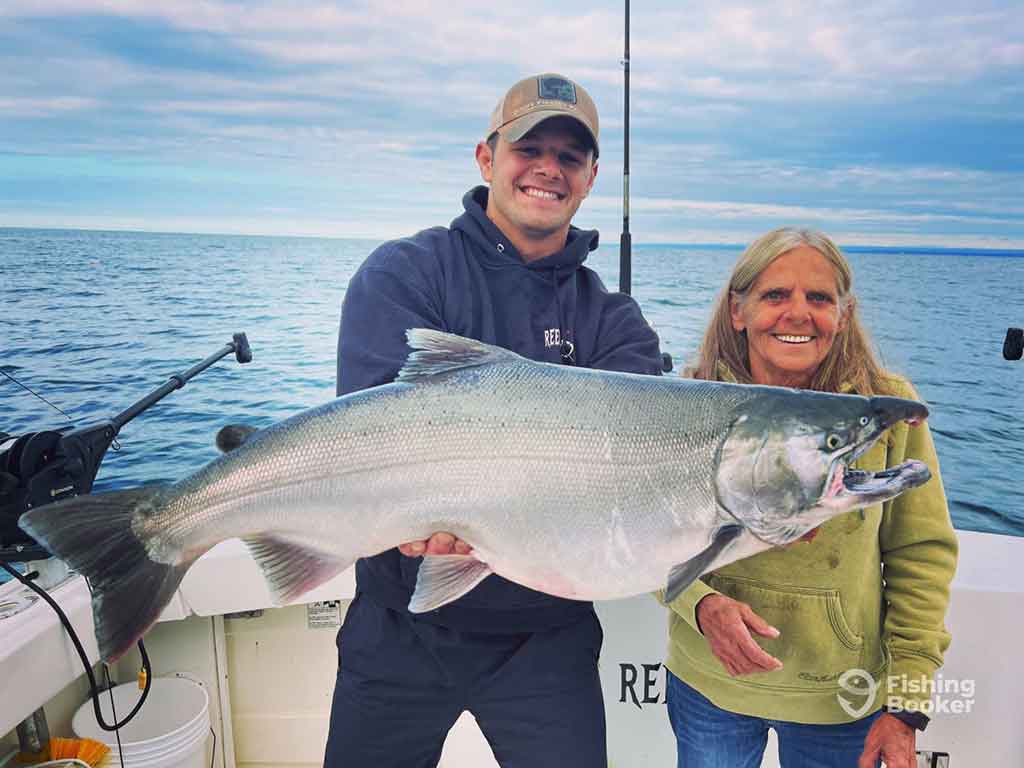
(816, 643)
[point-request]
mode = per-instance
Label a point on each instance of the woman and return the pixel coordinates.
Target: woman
(847, 623)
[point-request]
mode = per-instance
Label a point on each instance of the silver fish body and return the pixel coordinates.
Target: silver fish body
(579, 483)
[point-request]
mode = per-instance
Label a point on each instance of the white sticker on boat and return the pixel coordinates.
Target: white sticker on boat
(324, 615)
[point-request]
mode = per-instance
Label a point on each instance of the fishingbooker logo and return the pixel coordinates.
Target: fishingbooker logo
(927, 695)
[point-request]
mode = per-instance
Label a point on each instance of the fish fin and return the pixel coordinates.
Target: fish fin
(94, 536)
(437, 352)
(293, 568)
(233, 435)
(683, 575)
(445, 578)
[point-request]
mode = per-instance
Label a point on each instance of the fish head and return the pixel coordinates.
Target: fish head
(785, 464)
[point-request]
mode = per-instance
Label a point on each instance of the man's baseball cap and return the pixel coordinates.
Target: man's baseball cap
(533, 100)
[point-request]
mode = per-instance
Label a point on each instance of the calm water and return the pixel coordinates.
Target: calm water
(95, 320)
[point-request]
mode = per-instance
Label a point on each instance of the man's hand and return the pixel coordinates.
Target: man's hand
(438, 544)
(893, 741)
(727, 625)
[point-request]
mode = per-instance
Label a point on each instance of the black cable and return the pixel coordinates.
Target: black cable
(113, 711)
(213, 752)
(85, 659)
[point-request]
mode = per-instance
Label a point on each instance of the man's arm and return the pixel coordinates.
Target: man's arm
(386, 297)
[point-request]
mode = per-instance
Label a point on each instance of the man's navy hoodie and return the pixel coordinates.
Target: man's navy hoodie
(470, 280)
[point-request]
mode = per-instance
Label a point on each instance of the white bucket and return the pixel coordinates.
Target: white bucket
(170, 730)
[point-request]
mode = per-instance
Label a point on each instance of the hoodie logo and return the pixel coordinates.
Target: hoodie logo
(553, 338)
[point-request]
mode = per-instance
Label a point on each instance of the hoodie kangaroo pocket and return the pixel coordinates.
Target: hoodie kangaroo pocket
(815, 644)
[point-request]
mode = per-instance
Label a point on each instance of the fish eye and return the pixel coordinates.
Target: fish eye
(833, 441)
(864, 421)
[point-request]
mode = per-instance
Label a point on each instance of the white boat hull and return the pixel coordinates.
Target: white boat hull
(252, 666)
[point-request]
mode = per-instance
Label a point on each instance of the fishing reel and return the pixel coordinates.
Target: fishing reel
(37, 468)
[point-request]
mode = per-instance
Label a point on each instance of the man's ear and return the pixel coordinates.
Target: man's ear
(593, 177)
(485, 159)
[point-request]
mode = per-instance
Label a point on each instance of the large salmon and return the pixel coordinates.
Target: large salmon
(580, 483)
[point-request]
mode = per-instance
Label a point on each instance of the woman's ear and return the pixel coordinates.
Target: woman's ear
(847, 312)
(736, 313)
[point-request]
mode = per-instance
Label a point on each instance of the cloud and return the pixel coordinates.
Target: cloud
(44, 107)
(737, 210)
(837, 113)
(734, 53)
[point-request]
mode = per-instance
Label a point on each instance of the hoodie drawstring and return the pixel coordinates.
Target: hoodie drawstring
(566, 348)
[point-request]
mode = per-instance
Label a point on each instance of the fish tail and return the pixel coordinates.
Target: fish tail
(94, 536)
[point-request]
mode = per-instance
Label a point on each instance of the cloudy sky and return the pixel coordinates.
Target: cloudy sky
(885, 123)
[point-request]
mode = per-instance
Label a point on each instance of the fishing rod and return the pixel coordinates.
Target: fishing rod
(626, 239)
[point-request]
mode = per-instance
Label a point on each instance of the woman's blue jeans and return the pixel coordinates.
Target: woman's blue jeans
(710, 737)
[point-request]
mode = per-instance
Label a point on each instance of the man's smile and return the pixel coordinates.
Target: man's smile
(541, 194)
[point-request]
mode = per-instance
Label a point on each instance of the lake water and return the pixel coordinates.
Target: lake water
(95, 320)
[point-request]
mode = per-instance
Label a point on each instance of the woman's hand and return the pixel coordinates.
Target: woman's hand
(727, 625)
(440, 543)
(893, 741)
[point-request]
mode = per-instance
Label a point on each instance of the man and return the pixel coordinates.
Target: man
(509, 271)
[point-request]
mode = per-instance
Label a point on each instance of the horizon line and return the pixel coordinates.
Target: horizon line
(921, 249)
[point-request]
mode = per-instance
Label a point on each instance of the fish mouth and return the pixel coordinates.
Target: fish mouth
(859, 487)
(850, 489)
(873, 487)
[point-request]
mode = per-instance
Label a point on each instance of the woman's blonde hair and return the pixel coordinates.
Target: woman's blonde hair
(851, 361)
